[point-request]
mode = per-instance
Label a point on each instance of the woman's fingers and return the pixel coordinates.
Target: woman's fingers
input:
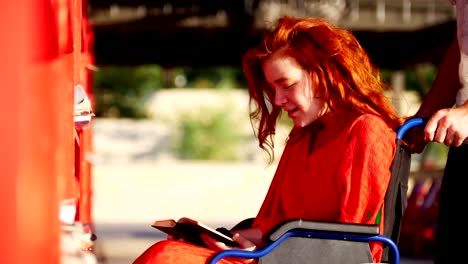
(213, 243)
(243, 242)
(218, 246)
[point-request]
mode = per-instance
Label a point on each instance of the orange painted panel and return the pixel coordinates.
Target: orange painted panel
(37, 136)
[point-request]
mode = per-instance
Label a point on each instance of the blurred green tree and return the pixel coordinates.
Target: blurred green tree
(213, 136)
(120, 90)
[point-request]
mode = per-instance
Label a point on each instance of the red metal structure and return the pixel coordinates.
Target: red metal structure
(45, 51)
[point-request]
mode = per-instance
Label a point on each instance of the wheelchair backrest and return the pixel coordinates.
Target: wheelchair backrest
(396, 196)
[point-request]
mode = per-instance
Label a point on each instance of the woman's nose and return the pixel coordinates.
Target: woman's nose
(280, 98)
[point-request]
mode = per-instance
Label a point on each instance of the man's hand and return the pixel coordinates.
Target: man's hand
(448, 126)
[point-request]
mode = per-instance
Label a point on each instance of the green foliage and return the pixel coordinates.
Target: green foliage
(215, 77)
(209, 137)
(119, 91)
(386, 75)
(436, 153)
(418, 78)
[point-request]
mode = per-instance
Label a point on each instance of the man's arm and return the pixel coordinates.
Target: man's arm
(446, 124)
(445, 86)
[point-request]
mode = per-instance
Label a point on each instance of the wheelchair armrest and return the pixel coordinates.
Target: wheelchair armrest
(299, 228)
(318, 226)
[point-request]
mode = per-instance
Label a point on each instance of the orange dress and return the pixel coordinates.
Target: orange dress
(337, 173)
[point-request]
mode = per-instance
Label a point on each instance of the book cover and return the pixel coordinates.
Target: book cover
(190, 230)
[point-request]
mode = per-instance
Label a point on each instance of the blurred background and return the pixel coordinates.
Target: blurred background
(172, 136)
(160, 125)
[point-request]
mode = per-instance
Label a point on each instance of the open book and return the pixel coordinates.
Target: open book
(190, 230)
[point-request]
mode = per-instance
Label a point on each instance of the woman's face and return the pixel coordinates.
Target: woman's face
(293, 90)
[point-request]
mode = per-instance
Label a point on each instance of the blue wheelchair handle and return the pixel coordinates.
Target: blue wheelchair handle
(410, 123)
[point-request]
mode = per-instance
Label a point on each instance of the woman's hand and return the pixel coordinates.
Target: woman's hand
(244, 244)
(216, 245)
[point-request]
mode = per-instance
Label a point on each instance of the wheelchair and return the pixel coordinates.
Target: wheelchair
(305, 241)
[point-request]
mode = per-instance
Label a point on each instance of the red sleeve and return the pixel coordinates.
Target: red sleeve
(365, 170)
(366, 173)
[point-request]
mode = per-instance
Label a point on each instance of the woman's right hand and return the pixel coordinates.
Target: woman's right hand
(244, 244)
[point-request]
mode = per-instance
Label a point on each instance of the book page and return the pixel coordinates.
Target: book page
(189, 230)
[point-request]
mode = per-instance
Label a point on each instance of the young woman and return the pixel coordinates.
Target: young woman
(336, 163)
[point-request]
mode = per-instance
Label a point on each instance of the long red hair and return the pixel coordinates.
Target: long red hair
(338, 67)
